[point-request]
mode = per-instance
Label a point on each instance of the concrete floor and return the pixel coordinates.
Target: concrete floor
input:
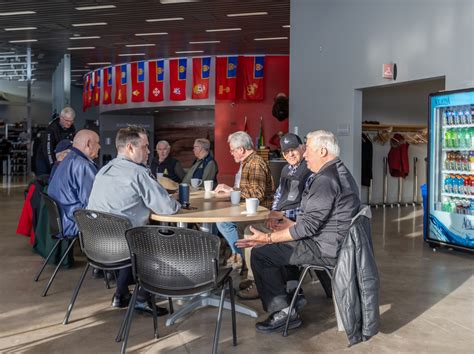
(426, 303)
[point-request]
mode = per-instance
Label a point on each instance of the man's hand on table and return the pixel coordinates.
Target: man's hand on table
(223, 188)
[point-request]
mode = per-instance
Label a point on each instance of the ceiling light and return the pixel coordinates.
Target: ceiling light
(13, 64)
(6, 53)
(224, 29)
(286, 26)
(97, 7)
(17, 13)
(269, 38)
(79, 70)
(20, 28)
(131, 54)
(80, 48)
(204, 42)
(188, 51)
(23, 41)
(75, 75)
(89, 24)
(88, 37)
(165, 19)
(100, 63)
(140, 45)
(248, 14)
(15, 56)
(151, 34)
(164, 2)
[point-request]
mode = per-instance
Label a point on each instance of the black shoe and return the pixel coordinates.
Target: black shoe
(300, 300)
(276, 322)
(97, 273)
(121, 301)
(145, 307)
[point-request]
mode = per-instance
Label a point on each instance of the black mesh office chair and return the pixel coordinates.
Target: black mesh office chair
(176, 262)
(102, 239)
(56, 232)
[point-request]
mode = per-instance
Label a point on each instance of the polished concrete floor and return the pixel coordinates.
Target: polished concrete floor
(426, 303)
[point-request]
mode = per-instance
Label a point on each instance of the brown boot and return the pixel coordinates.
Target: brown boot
(249, 293)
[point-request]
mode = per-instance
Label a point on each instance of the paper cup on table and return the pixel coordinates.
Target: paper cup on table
(235, 197)
(208, 185)
(196, 182)
(251, 205)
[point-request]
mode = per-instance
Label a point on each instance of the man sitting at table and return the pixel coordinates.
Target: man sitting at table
(330, 201)
(253, 180)
(166, 164)
(204, 167)
(125, 187)
(286, 204)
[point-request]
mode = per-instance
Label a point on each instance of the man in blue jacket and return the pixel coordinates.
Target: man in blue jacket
(329, 202)
(72, 182)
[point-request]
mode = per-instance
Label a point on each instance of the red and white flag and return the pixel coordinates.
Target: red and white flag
(254, 68)
(178, 79)
(138, 81)
(156, 75)
(121, 84)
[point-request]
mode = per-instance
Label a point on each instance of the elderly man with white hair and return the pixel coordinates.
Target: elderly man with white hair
(330, 201)
(166, 164)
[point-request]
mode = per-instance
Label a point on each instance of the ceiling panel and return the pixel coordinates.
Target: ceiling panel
(54, 19)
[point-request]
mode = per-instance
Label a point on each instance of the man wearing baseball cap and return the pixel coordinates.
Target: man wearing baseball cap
(62, 149)
(286, 204)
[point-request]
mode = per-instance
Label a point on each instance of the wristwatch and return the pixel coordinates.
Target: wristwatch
(269, 238)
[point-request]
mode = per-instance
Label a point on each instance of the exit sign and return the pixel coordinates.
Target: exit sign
(389, 71)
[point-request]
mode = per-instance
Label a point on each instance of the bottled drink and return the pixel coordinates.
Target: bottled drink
(461, 138)
(445, 117)
(471, 132)
(449, 116)
(467, 186)
(468, 115)
(471, 207)
(461, 118)
(454, 138)
(448, 160)
(471, 159)
(457, 165)
(455, 117)
(448, 186)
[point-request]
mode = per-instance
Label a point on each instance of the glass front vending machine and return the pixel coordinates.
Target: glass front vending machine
(451, 169)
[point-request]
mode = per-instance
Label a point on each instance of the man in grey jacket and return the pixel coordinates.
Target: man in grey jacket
(328, 205)
(125, 187)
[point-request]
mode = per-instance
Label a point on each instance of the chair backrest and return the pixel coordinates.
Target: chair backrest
(54, 217)
(172, 258)
(102, 236)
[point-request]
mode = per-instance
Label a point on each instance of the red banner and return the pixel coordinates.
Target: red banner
(226, 78)
(107, 75)
(97, 85)
(178, 79)
(121, 84)
(84, 92)
(201, 72)
(156, 75)
(138, 81)
(253, 78)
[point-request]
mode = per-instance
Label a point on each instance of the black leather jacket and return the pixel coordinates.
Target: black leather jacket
(355, 281)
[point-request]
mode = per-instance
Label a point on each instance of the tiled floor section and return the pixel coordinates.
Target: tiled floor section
(427, 303)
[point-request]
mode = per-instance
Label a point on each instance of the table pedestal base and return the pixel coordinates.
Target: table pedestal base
(200, 301)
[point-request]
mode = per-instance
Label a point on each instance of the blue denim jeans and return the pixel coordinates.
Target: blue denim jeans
(230, 233)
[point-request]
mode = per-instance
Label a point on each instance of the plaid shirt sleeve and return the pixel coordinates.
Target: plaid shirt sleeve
(256, 181)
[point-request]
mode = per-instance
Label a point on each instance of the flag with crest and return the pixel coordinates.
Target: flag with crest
(156, 75)
(97, 85)
(201, 72)
(138, 81)
(107, 76)
(121, 84)
(254, 68)
(178, 79)
(226, 78)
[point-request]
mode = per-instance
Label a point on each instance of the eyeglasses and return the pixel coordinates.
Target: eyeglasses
(232, 150)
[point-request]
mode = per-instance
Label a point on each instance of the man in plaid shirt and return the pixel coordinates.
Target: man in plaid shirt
(286, 204)
(253, 180)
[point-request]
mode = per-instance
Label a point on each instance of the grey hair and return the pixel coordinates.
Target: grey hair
(69, 111)
(323, 138)
(205, 144)
(240, 139)
(164, 142)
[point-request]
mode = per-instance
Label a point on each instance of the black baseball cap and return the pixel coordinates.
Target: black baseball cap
(290, 141)
(63, 145)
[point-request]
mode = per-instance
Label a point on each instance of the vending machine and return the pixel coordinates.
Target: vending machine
(451, 169)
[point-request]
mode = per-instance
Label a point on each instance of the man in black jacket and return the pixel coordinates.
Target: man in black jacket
(59, 129)
(328, 205)
(165, 164)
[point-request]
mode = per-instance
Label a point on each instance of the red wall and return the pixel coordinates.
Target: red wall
(230, 116)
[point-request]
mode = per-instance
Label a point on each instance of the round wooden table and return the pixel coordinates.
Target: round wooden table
(211, 207)
(207, 208)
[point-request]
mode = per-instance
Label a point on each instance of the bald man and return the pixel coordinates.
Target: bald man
(72, 182)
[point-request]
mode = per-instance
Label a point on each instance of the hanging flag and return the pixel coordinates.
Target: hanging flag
(138, 81)
(85, 88)
(107, 75)
(90, 90)
(97, 85)
(261, 138)
(226, 78)
(253, 78)
(156, 75)
(201, 71)
(178, 79)
(121, 84)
